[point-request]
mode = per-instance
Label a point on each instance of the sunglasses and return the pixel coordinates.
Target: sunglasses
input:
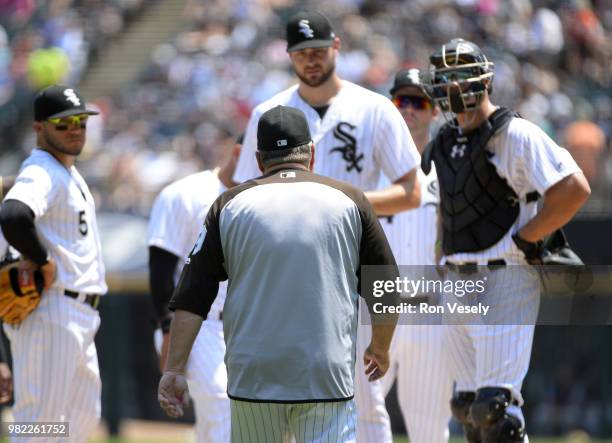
(61, 124)
(417, 102)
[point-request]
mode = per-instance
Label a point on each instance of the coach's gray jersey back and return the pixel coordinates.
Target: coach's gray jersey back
(291, 244)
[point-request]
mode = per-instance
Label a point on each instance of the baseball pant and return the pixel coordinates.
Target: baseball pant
(322, 422)
(424, 381)
(494, 350)
(373, 423)
(55, 367)
(207, 380)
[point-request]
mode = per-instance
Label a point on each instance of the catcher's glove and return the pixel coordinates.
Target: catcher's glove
(20, 290)
(554, 250)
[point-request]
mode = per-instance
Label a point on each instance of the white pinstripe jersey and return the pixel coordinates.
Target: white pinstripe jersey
(412, 234)
(177, 218)
(361, 134)
(529, 160)
(65, 220)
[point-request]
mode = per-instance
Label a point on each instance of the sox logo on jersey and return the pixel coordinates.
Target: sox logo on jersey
(349, 149)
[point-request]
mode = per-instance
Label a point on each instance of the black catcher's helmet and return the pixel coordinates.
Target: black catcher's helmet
(458, 72)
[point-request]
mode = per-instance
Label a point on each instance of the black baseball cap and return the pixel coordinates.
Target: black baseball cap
(59, 101)
(309, 29)
(282, 127)
(408, 77)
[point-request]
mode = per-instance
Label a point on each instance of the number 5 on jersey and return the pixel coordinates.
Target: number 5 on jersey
(82, 223)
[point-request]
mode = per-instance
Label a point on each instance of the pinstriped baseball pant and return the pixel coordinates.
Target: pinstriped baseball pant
(373, 423)
(207, 380)
(424, 380)
(322, 422)
(55, 367)
(494, 351)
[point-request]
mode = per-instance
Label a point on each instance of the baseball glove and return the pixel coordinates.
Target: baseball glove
(553, 250)
(20, 290)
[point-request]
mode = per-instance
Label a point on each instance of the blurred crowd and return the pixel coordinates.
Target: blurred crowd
(48, 41)
(552, 58)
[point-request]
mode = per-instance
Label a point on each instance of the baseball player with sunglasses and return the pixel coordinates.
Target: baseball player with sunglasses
(419, 362)
(49, 217)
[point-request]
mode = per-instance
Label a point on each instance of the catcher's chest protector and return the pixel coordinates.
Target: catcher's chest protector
(478, 206)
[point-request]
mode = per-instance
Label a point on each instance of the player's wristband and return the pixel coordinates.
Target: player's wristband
(44, 261)
(530, 249)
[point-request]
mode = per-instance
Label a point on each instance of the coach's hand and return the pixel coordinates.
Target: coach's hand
(376, 362)
(173, 393)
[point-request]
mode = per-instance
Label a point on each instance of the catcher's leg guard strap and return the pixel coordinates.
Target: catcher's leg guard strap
(460, 407)
(489, 416)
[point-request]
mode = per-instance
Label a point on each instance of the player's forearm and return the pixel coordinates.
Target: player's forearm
(402, 195)
(185, 328)
(383, 333)
(561, 202)
(17, 222)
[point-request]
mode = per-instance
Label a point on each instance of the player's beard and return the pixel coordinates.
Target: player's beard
(326, 74)
(60, 147)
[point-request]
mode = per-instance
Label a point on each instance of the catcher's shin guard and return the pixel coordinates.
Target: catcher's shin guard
(489, 416)
(460, 407)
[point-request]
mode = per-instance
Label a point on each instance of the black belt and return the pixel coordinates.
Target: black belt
(472, 267)
(92, 300)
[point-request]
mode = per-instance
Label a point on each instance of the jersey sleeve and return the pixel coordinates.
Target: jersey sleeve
(374, 250)
(34, 187)
(247, 168)
(394, 149)
(204, 269)
(167, 227)
(545, 163)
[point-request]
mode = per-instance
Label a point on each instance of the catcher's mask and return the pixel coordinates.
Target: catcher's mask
(458, 73)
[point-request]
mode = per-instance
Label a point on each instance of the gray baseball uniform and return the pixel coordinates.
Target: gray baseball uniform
(291, 244)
